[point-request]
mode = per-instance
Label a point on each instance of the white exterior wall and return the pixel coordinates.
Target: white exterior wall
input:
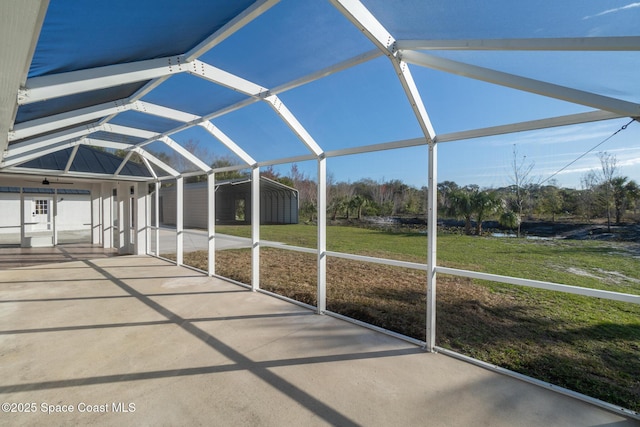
(9, 213)
(69, 213)
(10, 219)
(74, 212)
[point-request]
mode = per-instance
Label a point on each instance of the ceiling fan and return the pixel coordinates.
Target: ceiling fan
(45, 181)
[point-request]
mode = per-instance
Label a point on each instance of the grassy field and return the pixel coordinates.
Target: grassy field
(585, 344)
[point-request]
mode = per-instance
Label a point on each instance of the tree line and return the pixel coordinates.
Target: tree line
(604, 193)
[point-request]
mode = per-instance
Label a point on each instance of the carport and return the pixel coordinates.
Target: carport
(130, 85)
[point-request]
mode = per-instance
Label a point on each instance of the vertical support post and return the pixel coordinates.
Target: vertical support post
(179, 220)
(157, 217)
(96, 214)
(54, 217)
(123, 218)
(211, 222)
(255, 228)
(147, 218)
(322, 235)
(141, 223)
(107, 218)
(22, 225)
(432, 221)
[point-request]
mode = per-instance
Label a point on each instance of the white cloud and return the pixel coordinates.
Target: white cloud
(617, 9)
(555, 136)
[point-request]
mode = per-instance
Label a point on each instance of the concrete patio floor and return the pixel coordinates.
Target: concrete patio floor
(134, 340)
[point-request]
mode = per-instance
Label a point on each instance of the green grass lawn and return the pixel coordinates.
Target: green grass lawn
(585, 344)
(594, 264)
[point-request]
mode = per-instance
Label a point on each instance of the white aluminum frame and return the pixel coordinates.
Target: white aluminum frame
(63, 120)
(322, 236)
(375, 31)
(542, 44)
(211, 223)
(73, 82)
(525, 84)
(29, 139)
(255, 228)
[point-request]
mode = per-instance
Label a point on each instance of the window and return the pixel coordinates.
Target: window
(42, 207)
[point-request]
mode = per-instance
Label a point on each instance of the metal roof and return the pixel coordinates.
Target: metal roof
(146, 76)
(244, 184)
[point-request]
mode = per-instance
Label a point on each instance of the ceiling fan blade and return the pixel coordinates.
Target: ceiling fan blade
(46, 181)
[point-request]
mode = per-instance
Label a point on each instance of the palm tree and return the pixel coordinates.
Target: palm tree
(509, 219)
(358, 202)
(619, 192)
(337, 205)
(461, 206)
(484, 203)
(633, 194)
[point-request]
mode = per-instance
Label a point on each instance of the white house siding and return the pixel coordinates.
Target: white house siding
(73, 213)
(9, 218)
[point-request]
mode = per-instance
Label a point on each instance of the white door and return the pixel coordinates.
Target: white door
(41, 214)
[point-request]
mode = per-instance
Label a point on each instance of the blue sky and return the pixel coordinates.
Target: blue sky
(366, 105)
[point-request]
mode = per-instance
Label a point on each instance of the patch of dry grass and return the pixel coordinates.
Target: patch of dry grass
(537, 333)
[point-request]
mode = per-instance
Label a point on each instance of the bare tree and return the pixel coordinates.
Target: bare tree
(609, 168)
(588, 183)
(307, 191)
(521, 180)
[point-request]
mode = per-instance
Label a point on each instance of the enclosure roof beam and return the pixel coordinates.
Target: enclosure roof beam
(185, 153)
(149, 168)
(278, 106)
(107, 110)
(123, 163)
(43, 141)
(162, 165)
(231, 27)
(572, 119)
(160, 111)
(128, 131)
(544, 44)
(567, 120)
(69, 118)
(227, 142)
(414, 142)
(226, 79)
(332, 69)
(71, 158)
(287, 160)
(72, 82)
(62, 84)
(83, 115)
(96, 142)
(75, 174)
(364, 20)
(563, 93)
(48, 149)
(246, 87)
